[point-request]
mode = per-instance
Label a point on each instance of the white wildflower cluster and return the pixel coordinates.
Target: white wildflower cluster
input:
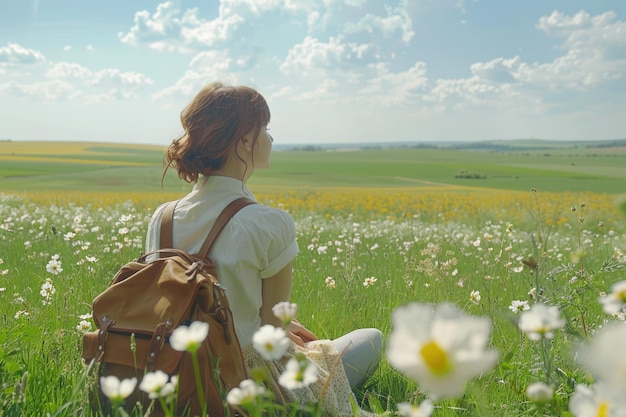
(330, 282)
(18, 299)
(158, 384)
(84, 325)
(3, 271)
(54, 266)
(273, 344)
(246, 394)
(47, 291)
(299, 373)
(518, 306)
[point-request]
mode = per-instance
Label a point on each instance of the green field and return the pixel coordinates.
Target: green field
(378, 229)
(518, 166)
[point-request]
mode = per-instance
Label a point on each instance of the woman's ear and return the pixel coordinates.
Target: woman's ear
(245, 143)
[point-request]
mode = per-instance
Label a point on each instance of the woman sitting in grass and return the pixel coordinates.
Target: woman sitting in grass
(225, 140)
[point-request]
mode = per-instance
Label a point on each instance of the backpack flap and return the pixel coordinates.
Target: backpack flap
(161, 291)
(149, 300)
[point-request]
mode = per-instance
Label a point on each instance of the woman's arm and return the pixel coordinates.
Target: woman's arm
(277, 288)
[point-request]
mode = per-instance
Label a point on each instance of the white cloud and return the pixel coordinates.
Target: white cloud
(109, 77)
(558, 22)
(325, 91)
(397, 20)
(593, 56)
(387, 88)
(210, 33)
(203, 68)
(255, 7)
(68, 70)
(167, 30)
(41, 91)
(500, 70)
(16, 54)
(343, 57)
(65, 80)
(313, 56)
(116, 78)
(158, 30)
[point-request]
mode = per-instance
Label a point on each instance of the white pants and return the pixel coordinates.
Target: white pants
(361, 352)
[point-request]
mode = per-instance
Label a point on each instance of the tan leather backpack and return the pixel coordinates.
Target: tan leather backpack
(149, 299)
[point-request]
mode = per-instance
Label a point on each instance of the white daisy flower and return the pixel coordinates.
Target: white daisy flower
(83, 326)
(189, 338)
(614, 302)
(539, 321)
(271, 342)
(158, 384)
(475, 297)
(285, 311)
(246, 393)
(440, 347)
(597, 400)
(539, 392)
(115, 389)
(603, 357)
(299, 373)
(54, 266)
(518, 306)
(425, 409)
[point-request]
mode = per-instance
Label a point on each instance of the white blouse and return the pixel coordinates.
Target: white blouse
(258, 242)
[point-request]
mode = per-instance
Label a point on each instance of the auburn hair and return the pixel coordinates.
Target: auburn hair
(213, 122)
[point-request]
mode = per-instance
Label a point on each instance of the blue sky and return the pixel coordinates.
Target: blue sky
(332, 71)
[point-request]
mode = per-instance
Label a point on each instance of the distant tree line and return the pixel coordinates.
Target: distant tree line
(470, 175)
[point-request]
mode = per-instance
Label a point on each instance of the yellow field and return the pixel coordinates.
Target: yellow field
(61, 148)
(42, 151)
(393, 204)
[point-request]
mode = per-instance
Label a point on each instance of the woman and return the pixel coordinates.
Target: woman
(225, 140)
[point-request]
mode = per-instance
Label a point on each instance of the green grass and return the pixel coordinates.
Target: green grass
(424, 258)
(412, 260)
(126, 169)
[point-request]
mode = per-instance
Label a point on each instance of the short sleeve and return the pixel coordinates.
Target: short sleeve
(282, 247)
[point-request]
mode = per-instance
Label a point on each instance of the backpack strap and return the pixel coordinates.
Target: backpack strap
(229, 211)
(165, 238)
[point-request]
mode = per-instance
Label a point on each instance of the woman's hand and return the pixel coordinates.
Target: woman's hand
(300, 334)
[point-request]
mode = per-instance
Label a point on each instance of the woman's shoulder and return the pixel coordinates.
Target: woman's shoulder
(260, 212)
(259, 218)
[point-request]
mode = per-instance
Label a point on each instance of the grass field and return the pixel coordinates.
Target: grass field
(378, 229)
(88, 166)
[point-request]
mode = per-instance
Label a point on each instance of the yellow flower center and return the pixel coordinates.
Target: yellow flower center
(603, 409)
(436, 358)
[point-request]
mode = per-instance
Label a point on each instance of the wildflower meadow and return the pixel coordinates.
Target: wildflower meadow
(492, 304)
